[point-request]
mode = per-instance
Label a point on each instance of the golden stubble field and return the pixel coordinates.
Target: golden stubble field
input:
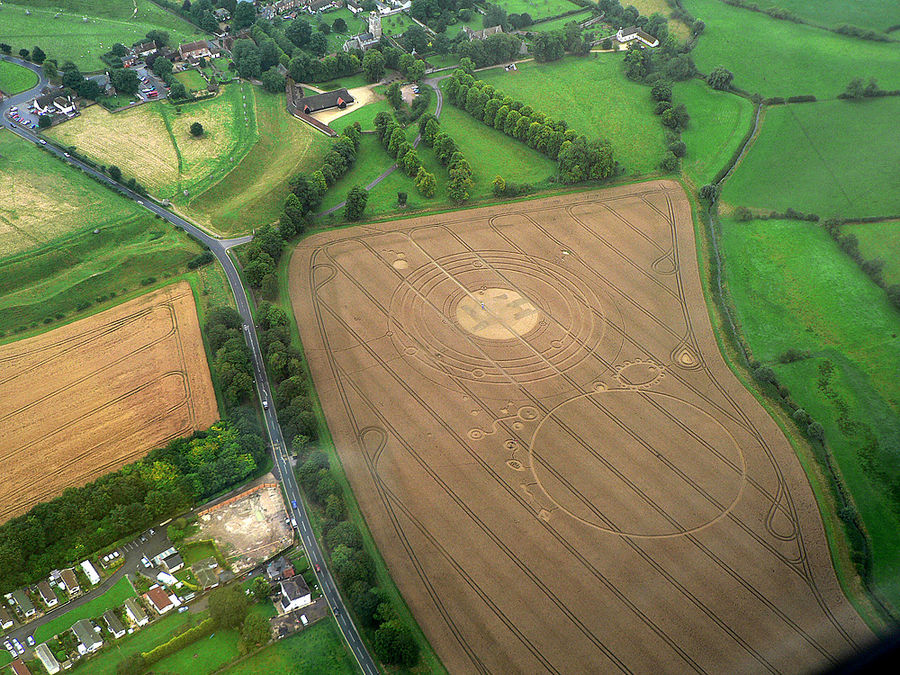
(89, 397)
(559, 468)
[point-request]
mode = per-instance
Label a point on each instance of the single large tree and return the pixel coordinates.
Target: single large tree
(228, 606)
(720, 78)
(356, 203)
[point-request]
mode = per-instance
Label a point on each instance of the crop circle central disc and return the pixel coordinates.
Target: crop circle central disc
(497, 314)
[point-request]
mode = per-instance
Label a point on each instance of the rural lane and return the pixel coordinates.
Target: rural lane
(219, 248)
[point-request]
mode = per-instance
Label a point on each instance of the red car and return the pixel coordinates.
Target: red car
(318, 569)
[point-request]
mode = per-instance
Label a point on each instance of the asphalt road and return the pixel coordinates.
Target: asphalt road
(219, 248)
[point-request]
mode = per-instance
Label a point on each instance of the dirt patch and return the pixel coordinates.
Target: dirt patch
(596, 488)
(248, 528)
(361, 96)
(87, 398)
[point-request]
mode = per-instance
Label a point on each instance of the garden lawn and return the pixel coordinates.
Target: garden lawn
(794, 289)
(68, 37)
(365, 115)
(718, 124)
(350, 82)
(112, 598)
(253, 193)
(192, 553)
(191, 79)
(396, 24)
(592, 94)
(316, 649)
(205, 656)
(538, 9)
(830, 158)
(874, 14)
(780, 58)
(15, 78)
(880, 240)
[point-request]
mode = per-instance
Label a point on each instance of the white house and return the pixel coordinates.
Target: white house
(160, 601)
(53, 103)
(112, 622)
(294, 594)
(88, 640)
(48, 597)
(51, 665)
(135, 612)
(90, 572)
(6, 620)
(632, 33)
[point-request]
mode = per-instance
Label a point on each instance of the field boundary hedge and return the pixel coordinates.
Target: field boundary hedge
(179, 642)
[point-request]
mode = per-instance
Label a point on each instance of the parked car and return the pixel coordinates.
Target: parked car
(30, 640)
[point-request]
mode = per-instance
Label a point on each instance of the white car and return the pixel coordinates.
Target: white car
(30, 640)
(18, 645)
(7, 644)
(146, 561)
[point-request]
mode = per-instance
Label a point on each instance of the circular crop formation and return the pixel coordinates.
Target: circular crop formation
(495, 318)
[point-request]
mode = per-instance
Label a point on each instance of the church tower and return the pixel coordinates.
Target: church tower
(375, 25)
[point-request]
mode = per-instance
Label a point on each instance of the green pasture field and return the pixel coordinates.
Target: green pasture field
(114, 597)
(365, 115)
(42, 199)
(67, 37)
(538, 9)
(317, 649)
(592, 94)
(253, 193)
(780, 58)
(350, 82)
(880, 240)
(191, 79)
(794, 289)
(718, 124)
(207, 655)
(15, 78)
(558, 24)
(648, 7)
(874, 14)
(443, 60)
(833, 158)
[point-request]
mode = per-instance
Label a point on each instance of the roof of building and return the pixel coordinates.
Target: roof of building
(206, 578)
(157, 597)
(329, 99)
(47, 594)
(294, 588)
(173, 560)
(145, 46)
(112, 622)
(5, 616)
(69, 578)
(22, 600)
(84, 631)
(133, 606)
(42, 651)
(19, 667)
(193, 46)
(483, 33)
(639, 33)
(209, 563)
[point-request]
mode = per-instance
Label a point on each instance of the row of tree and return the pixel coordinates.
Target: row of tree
(168, 480)
(448, 154)
(578, 158)
(393, 138)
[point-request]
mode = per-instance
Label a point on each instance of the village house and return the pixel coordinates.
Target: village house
(143, 49)
(160, 602)
(283, 6)
(632, 33)
(48, 597)
(172, 563)
(51, 665)
(354, 6)
(113, 624)
(194, 50)
(6, 620)
(54, 102)
(90, 572)
(88, 640)
(364, 41)
(206, 578)
(19, 667)
(135, 612)
(70, 581)
(23, 602)
(481, 34)
(294, 594)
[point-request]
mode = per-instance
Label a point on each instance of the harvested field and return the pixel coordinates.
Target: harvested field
(248, 528)
(569, 474)
(85, 399)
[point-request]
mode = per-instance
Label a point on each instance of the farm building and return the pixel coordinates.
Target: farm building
(113, 624)
(339, 98)
(23, 602)
(70, 581)
(135, 612)
(632, 33)
(6, 620)
(51, 665)
(294, 594)
(88, 640)
(48, 597)
(481, 34)
(364, 41)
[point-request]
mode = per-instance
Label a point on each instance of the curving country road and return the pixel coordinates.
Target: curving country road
(219, 248)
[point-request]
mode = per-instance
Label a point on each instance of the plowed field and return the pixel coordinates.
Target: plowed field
(560, 470)
(87, 398)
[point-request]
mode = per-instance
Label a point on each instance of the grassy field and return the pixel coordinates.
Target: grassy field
(875, 14)
(717, 127)
(793, 288)
(538, 9)
(649, 7)
(15, 78)
(880, 240)
(317, 649)
(114, 597)
(204, 656)
(42, 199)
(68, 37)
(191, 79)
(830, 158)
(253, 193)
(558, 24)
(396, 24)
(780, 58)
(365, 115)
(611, 106)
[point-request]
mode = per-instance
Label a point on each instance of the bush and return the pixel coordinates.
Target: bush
(196, 129)
(203, 259)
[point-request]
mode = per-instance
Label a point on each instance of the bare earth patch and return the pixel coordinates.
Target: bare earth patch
(85, 399)
(555, 461)
(361, 96)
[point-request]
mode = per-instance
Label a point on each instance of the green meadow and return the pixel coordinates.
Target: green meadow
(873, 14)
(794, 289)
(831, 158)
(880, 240)
(15, 78)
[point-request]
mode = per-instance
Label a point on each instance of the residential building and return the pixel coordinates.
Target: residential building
(23, 602)
(48, 597)
(320, 5)
(339, 98)
(54, 102)
(369, 39)
(206, 578)
(282, 6)
(173, 562)
(70, 581)
(163, 550)
(90, 572)
(19, 667)
(113, 624)
(145, 48)
(88, 639)
(279, 569)
(294, 594)
(135, 612)
(354, 6)
(221, 14)
(194, 50)
(632, 33)
(6, 620)
(481, 34)
(158, 600)
(51, 665)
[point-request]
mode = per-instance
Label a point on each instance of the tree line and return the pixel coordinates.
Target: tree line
(459, 170)
(578, 159)
(166, 481)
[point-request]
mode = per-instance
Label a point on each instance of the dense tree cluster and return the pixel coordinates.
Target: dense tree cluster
(231, 356)
(168, 480)
(448, 154)
(439, 14)
(492, 50)
(578, 158)
(393, 138)
(198, 12)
